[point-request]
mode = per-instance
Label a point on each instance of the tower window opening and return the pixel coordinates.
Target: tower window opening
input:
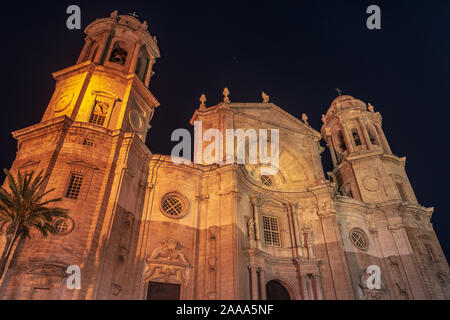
(342, 144)
(356, 137)
(73, 191)
(271, 231)
(118, 54)
(349, 192)
(142, 64)
(371, 136)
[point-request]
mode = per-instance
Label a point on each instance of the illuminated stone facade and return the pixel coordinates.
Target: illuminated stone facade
(138, 221)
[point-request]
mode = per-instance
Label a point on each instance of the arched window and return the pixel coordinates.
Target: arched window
(371, 135)
(348, 190)
(341, 140)
(356, 137)
(118, 54)
(276, 291)
(142, 64)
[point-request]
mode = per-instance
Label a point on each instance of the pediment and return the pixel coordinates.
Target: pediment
(273, 115)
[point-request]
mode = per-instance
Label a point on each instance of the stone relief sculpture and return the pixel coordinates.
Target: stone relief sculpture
(305, 118)
(251, 228)
(308, 240)
(168, 263)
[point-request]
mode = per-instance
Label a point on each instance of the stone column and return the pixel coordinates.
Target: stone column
(336, 258)
(262, 283)
(297, 231)
(385, 276)
(348, 140)
(255, 203)
(254, 277)
(148, 76)
(134, 57)
(87, 48)
(304, 288)
(318, 286)
(383, 139)
(102, 51)
(365, 133)
(332, 151)
(408, 263)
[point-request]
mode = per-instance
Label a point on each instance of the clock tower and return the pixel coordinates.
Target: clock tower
(108, 86)
(91, 144)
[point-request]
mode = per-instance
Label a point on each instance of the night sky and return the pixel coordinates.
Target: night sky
(298, 52)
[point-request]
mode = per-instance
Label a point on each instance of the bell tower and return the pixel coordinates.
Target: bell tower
(364, 167)
(108, 86)
(91, 144)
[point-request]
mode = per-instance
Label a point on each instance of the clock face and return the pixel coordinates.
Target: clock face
(136, 120)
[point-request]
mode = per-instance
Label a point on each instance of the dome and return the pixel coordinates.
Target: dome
(345, 102)
(126, 26)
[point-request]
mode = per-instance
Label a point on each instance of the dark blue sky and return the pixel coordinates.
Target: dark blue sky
(296, 51)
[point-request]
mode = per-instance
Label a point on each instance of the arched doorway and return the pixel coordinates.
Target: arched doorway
(163, 291)
(276, 291)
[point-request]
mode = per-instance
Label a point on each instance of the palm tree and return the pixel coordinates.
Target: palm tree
(22, 209)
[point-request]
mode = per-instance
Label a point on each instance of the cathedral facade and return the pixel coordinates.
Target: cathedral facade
(142, 227)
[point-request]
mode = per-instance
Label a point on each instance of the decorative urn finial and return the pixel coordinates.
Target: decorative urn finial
(226, 94)
(203, 102)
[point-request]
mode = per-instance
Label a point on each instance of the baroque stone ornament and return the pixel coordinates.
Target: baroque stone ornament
(226, 96)
(203, 102)
(63, 102)
(371, 183)
(305, 118)
(251, 228)
(168, 263)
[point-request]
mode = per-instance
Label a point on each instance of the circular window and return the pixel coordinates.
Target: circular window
(63, 226)
(174, 206)
(359, 239)
(267, 181)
